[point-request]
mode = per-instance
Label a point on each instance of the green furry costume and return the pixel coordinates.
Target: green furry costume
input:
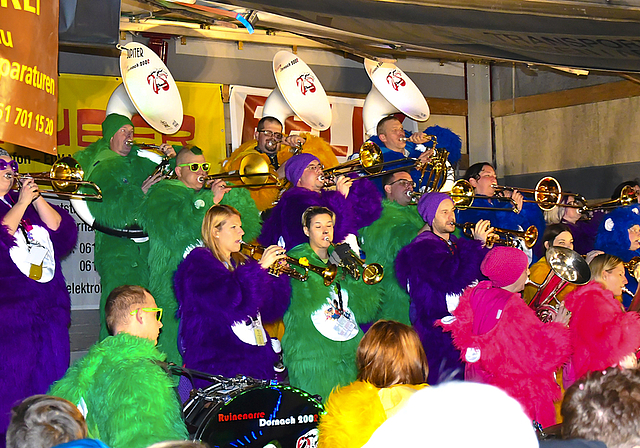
(381, 241)
(119, 261)
(316, 363)
(130, 400)
(172, 215)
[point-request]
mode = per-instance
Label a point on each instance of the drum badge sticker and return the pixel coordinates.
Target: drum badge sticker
(158, 80)
(308, 440)
(307, 83)
(394, 79)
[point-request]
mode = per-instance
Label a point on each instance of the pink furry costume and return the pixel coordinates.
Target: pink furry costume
(34, 334)
(602, 333)
(504, 343)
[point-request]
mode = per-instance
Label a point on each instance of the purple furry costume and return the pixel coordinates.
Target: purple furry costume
(360, 208)
(34, 335)
(431, 269)
(211, 298)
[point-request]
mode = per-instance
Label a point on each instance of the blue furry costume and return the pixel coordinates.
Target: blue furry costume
(130, 400)
(360, 208)
(613, 239)
(172, 214)
(316, 363)
(34, 335)
(119, 261)
(446, 139)
(212, 299)
(381, 242)
(431, 269)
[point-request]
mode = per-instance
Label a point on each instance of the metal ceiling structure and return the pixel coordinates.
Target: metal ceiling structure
(583, 34)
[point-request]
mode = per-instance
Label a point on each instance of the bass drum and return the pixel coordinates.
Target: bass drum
(246, 415)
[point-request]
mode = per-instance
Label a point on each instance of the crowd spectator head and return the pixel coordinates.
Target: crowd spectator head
(391, 353)
(43, 421)
(604, 405)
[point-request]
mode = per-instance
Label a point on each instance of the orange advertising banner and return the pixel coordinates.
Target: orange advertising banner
(29, 73)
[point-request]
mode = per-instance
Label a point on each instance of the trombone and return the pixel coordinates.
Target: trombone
(65, 177)
(281, 266)
(462, 195)
(254, 172)
(504, 237)
(628, 196)
(547, 193)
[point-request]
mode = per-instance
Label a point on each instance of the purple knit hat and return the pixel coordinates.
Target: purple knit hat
(428, 205)
(296, 165)
(504, 265)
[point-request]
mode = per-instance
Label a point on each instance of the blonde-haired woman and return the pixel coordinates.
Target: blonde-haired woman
(602, 333)
(392, 365)
(223, 299)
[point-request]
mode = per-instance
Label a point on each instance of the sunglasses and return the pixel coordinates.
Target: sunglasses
(12, 164)
(196, 166)
(158, 312)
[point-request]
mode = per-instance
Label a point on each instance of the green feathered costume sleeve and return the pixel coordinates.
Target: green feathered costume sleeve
(172, 216)
(318, 364)
(381, 241)
(130, 400)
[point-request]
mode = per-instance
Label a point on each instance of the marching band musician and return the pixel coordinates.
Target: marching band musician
(356, 202)
(619, 235)
(322, 331)
(602, 333)
(223, 299)
(398, 224)
(502, 341)
(435, 268)
(35, 307)
(268, 141)
(172, 214)
(124, 177)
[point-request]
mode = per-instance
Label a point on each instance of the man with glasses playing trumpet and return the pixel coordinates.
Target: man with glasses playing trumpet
(124, 177)
(277, 148)
(171, 214)
(435, 268)
(398, 224)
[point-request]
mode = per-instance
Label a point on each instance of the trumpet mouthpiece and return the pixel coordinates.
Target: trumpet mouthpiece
(129, 143)
(201, 179)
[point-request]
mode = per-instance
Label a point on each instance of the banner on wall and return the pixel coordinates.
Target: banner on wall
(345, 135)
(28, 73)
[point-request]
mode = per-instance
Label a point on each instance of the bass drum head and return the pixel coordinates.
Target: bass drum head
(282, 416)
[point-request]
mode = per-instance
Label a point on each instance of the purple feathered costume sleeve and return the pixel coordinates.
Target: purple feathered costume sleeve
(432, 271)
(365, 203)
(211, 298)
(285, 218)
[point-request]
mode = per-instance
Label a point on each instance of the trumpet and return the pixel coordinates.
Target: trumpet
(163, 166)
(65, 177)
(504, 237)
(144, 146)
(281, 266)
(345, 257)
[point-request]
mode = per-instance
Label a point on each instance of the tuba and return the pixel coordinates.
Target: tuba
(504, 237)
(281, 266)
(567, 266)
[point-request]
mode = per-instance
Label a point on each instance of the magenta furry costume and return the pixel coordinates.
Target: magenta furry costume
(360, 208)
(431, 269)
(601, 332)
(34, 334)
(519, 354)
(211, 298)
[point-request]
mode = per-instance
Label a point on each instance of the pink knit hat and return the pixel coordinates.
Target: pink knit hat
(504, 265)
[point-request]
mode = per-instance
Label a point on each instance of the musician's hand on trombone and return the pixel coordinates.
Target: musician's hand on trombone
(517, 197)
(481, 232)
(271, 255)
(151, 180)
(167, 150)
(343, 185)
(219, 188)
(29, 191)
